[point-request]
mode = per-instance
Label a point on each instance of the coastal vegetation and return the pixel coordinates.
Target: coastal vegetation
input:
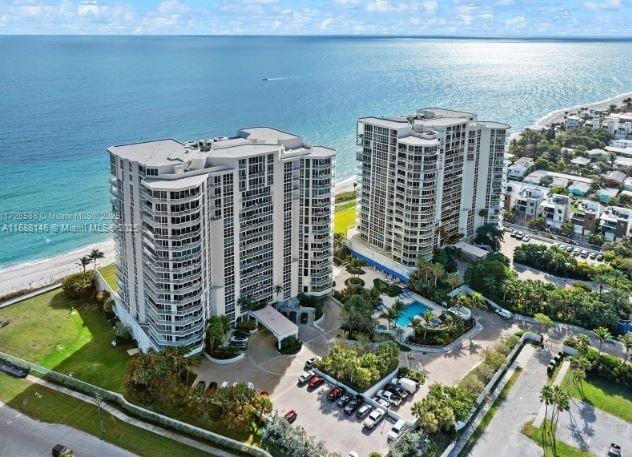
(281, 439)
(556, 261)
(575, 304)
(79, 285)
(443, 407)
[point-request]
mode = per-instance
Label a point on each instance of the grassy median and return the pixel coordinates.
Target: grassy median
(42, 403)
(544, 440)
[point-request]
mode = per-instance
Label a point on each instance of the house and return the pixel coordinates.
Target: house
(595, 154)
(555, 210)
(580, 161)
(623, 164)
(627, 151)
(534, 177)
(579, 188)
(627, 183)
(607, 193)
(619, 125)
(615, 222)
(572, 122)
(615, 178)
(520, 168)
(585, 216)
(525, 199)
(558, 181)
(621, 143)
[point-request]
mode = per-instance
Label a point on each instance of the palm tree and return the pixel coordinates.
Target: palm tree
(94, 255)
(453, 280)
(602, 334)
(245, 303)
(353, 265)
(390, 315)
(278, 289)
(561, 400)
(546, 397)
(84, 262)
(428, 317)
(398, 308)
(627, 343)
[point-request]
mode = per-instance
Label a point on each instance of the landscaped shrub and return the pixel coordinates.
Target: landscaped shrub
(389, 289)
(79, 285)
(405, 372)
(224, 352)
(440, 337)
(101, 297)
(290, 345)
(122, 333)
(610, 368)
(310, 301)
(354, 282)
(554, 261)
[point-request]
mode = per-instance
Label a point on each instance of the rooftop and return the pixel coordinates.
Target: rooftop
(151, 153)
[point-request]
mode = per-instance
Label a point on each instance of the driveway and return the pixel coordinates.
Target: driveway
(23, 436)
(503, 436)
(589, 428)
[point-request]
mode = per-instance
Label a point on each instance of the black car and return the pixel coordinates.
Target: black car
(59, 450)
(342, 401)
(353, 406)
(14, 370)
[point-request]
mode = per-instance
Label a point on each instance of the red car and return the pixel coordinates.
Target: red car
(290, 416)
(315, 382)
(335, 393)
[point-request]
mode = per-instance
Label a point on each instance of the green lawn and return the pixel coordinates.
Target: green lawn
(605, 395)
(344, 217)
(69, 336)
(51, 406)
(109, 274)
(563, 449)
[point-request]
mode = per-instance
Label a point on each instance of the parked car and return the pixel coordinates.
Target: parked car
(380, 401)
(614, 450)
(569, 249)
(374, 418)
(353, 454)
(584, 254)
(342, 401)
(513, 233)
(390, 397)
(14, 370)
(310, 363)
(291, 416)
(592, 255)
(239, 340)
(315, 381)
(59, 450)
(397, 391)
(224, 385)
(396, 430)
(353, 406)
(335, 393)
(504, 313)
(599, 257)
(526, 238)
(364, 411)
(519, 235)
(576, 251)
(305, 377)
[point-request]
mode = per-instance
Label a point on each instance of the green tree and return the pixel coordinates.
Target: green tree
(216, 329)
(602, 334)
(537, 223)
(84, 262)
(546, 397)
(627, 343)
(544, 322)
(489, 234)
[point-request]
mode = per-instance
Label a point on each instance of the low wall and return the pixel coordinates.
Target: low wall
(237, 358)
(135, 410)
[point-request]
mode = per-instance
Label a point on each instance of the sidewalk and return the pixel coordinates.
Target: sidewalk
(211, 450)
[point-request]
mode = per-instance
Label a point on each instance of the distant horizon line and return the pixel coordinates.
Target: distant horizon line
(234, 35)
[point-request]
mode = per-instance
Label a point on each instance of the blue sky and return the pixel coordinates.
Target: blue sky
(320, 17)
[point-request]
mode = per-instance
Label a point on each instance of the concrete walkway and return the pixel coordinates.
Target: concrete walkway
(503, 436)
(135, 422)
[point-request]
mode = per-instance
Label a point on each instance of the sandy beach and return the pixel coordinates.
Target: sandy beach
(40, 273)
(558, 115)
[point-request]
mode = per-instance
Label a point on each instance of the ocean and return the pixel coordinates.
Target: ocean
(64, 100)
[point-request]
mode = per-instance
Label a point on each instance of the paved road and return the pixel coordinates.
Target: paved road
(503, 436)
(591, 429)
(25, 437)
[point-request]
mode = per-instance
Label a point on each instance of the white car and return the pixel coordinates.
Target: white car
(390, 397)
(305, 377)
(310, 363)
(353, 454)
(380, 401)
(526, 238)
(396, 430)
(374, 418)
(504, 313)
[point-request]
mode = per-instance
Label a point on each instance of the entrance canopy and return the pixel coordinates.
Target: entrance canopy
(279, 325)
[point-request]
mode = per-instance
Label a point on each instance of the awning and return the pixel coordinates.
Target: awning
(279, 325)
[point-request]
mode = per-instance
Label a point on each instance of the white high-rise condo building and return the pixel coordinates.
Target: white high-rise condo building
(206, 223)
(425, 180)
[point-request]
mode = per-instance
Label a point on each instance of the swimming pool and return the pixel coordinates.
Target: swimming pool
(411, 310)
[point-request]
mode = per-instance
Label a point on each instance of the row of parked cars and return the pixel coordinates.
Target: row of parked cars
(583, 253)
(517, 234)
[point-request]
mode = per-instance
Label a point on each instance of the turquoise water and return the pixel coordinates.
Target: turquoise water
(413, 309)
(64, 100)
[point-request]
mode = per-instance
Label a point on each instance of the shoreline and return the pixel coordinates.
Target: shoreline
(41, 272)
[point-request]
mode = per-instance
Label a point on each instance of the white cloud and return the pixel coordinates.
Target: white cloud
(604, 5)
(325, 23)
(347, 2)
(430, 5)
(385, 6)
(517, 22)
